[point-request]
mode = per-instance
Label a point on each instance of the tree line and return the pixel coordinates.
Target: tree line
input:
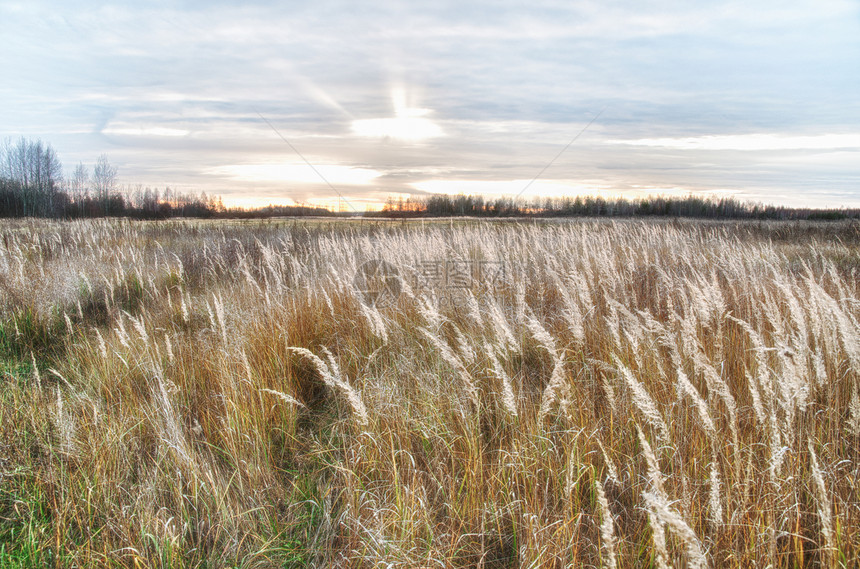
(32, 185)
(596, 206)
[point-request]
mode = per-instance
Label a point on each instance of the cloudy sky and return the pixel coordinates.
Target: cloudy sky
(760, 100)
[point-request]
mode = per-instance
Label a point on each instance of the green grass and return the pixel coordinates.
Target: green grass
(26, 527)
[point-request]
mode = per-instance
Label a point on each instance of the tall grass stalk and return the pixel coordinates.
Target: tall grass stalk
(623, 394)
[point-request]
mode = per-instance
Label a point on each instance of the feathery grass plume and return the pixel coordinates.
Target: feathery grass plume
(606, 372)
(59, 376)
(328, 302)
(852, 423)
(819, 369)
(108, 297)
(777, 452)
(539, 333)
(760, 380)
(716, 384)
(64, 422)
(36, 375)
(654, 474)
(466, 351)
(474, 311)
(658, 329)
(213, 322)
(331, 377)
(120, 330)
(825, 513)
(707, 302)
(139, 327)
(101, 343)
(820, 308)
(249, 375)
(607, 526)
(715, 505)
(658, 530)
(755, 395)
(520, 301)
(503, 331)
(250, 280)
(612, 323)
(171, 431)
(573, 459)
(430, 314)
(643, 401)
(795, 311)
(556, 390)
(838, 282)
(688, 389)
(219, 313)
(847, 328)
(451, 359)
(632, 328)
(670, 518)
(375, 321)
(571, 313)
(509, 401)
(183, 307)
(793, 387)
(283, 397)
(69, 327)
(87, 283)
(689, 334)
(168, 346)
(772, 314)
(612, 472)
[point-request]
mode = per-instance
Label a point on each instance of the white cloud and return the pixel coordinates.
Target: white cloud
(751, 142)
(506, 188)
(297, 173)
(402, 127)
(145, 131)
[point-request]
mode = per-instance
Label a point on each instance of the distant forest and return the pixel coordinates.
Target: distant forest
(594, 206)
(32, 185)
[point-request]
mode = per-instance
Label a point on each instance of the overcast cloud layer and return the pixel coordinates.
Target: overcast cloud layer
(753, 99)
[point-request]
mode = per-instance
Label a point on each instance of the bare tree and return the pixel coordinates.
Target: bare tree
(80, 182)
(104, 181)
(37, 173)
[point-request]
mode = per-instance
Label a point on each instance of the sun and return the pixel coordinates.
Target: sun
(408, 123)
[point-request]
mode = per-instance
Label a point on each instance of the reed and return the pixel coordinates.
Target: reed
(623, 393)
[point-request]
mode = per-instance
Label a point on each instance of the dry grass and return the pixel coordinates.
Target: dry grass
(624, 394)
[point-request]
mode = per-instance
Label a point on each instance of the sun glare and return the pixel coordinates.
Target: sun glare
(408, 123)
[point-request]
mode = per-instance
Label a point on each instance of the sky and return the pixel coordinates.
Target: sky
(348, 104)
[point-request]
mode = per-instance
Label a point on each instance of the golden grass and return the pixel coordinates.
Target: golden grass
(624, 394)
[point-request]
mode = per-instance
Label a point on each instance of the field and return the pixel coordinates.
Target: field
(429, 394)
